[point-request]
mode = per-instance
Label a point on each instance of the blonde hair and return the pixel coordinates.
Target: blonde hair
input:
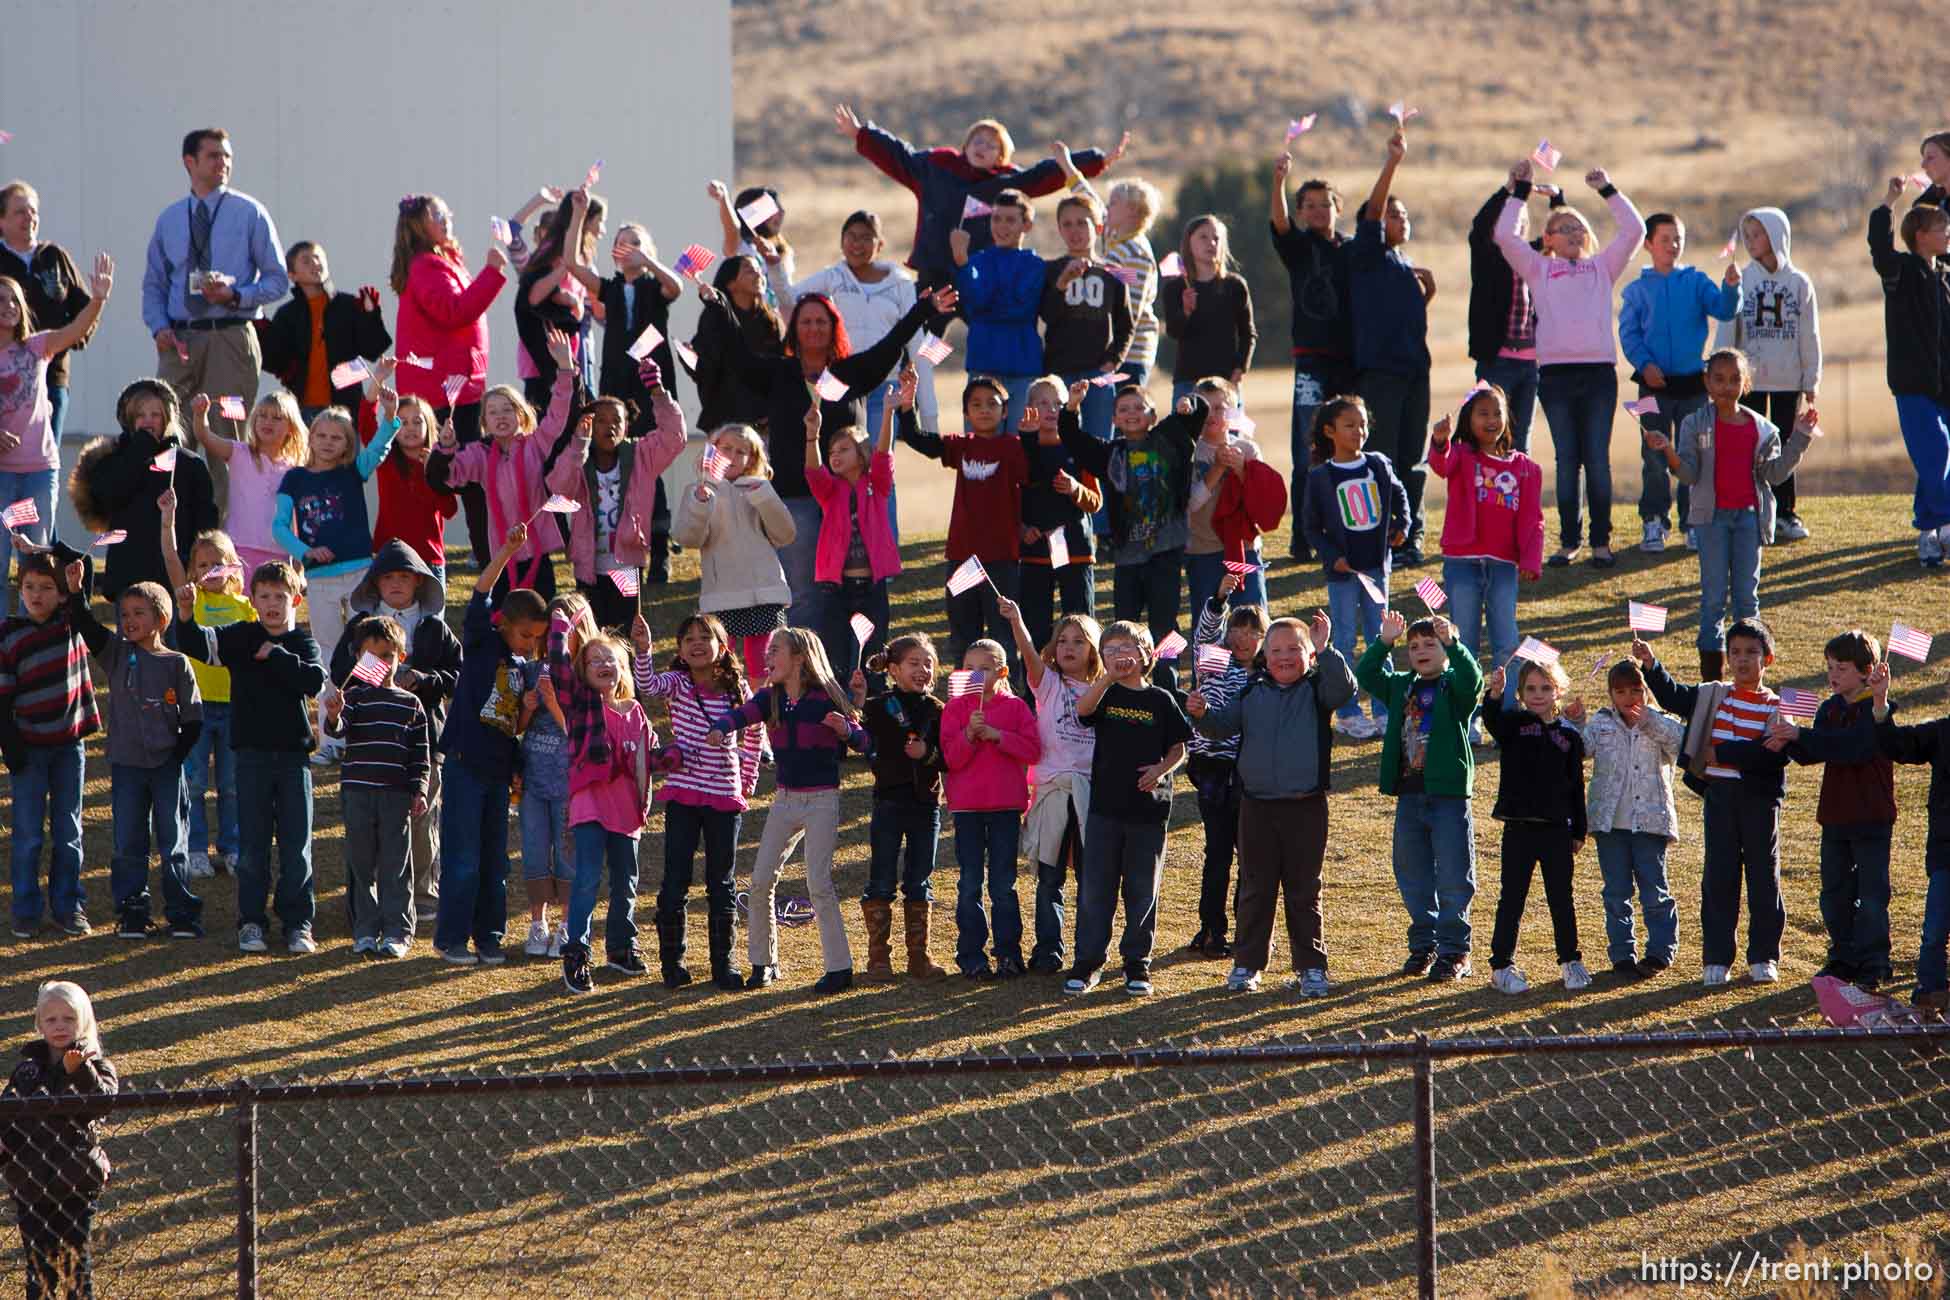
(1092, 633)
(1052, 382)
(993, 649)
(1004, 141)
(220, 542)
(1590, 235)
(1143, 197)
(524, 413)
(332, 415)
(1554, 673)
(754, 447)
(87, 1034)
(624, 690)
(297, 440)
(642, 233)
(817, 670)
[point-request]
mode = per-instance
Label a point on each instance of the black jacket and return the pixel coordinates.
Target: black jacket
(617, 375)
(890, 719)
(1540, 774)
(116, 488)
(433, 651)
(1491, 281)
(350, 331)
(61, 1157)
(722, 399)
(1915, 313)
(55, 293)
(268, 695)
(1926, 742)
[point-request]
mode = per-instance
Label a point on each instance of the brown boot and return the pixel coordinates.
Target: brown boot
(1712, 663)
(915, 917)
(880, 928)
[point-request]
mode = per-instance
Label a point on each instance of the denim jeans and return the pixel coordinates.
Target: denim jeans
(36, 485)
(840, 601)
(686, 826)
(1354, 614)
(1042, 588)
(274, 798)
(1933, 954)
(57, 400)
(1099, 404)
(1518, 380)
(1148, 591)
(47, 794)
(213, 756)
(1656, 477)
(974, 615)
(598, 848)
(1316, 380)
(796, 558)
(894, 823)
(142, 799)
(1925, 425)
(1855, 898)
(1203, 573)
(985, 849)
(545, 849)
(1120, 859)
(1625, 859)
(1398, 415)
(1729, 572)
(1484, 591)
(1578, 402)
(1435, 869)
(474, 860)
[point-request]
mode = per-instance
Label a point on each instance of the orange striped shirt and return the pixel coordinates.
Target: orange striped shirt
(1742, 715)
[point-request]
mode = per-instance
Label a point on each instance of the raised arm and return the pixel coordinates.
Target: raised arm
(1376, 208)
(1277, 211)
(76, 330)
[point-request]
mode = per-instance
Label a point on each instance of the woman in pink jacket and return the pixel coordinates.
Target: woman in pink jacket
(442, 321)
(1577, 355)
(856, 553)
(989, 742)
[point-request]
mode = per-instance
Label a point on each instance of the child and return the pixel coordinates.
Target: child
(1001, 290)
(904, 724)
(1356, 515)
(115, 484)
(402, 587)
(764, 241)
(1743, 784)
(1280, 719)
(1493, 528)
(1857, 810)
(1662, 324)
(218, 601)
(986, 519)
(1141, 739)
(1925, 742)
(274, 670)
(1540, 801)
(615, 480)
(1147, 474)
(154, 715)
(1236, 497)
(705, 799)
(1087, 320)
(47, 711)
(1730, 455)
(613, 750)
(1916, 323)
(1128, 213)
(1208, 309)
(1426, 764)
(1629, 810)
(810, 722)
(1059, 496)
(274, 442)
(412, 511)
(738, 524)
(384, 788)
(1213, 763)
(318, 331)
(1315, 256)
(55, 1167)
(1503, 315)
(1059, 675)
(857, 554)
(480, 748)
(988, 742)
(1391, 342)
(1777, 327)
(1577, 379)
(547, 859)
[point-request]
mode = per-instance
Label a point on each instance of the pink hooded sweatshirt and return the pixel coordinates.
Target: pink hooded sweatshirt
(1458, 465)
(870, 492)
(513, 479)
(643, 461)
(989, 775)
(1573, 299)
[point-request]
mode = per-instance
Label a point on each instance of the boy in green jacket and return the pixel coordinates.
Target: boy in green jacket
(1427, 765)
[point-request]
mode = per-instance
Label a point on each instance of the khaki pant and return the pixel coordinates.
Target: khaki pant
(425, 855)
(817, 813)
(222, 363)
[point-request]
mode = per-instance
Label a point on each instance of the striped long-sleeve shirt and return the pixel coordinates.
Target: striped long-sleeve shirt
(805, 748)
(46, 696)
(712, 776)
(387, 742)
(1219, 689)
(1134, 257)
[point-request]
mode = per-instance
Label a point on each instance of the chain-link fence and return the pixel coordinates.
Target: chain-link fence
(1296, 1168)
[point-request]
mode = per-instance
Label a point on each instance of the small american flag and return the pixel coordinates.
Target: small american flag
(348, 373)
(1920, 180)
(862, 629)
(6, 137)
(830, 387)
(1402, 113)
(503, 232)
(1643, 406)
(1105, 381)
(594, 174)
(1536, 651)
(219, 572)
(1645, 618)
(1241, 568)
(110, 538)
(1237, 421)
(230, 408)
(371, 669)
(965, 681)
(452, 385)
(933, 350)
(1212, 659)
(646, 343)
(694, 261)
(1909, 642)
(1132, 276)
(626, 580)
(1431, 593)
(967, 577)
(714, 465)
(1797, 703)
(1726, 250)
(1373, 588)
(687, 354)
(21, 514)
(1059, 549)
(417, 361)
(1299, 126)
(1546, 156)
(557, 504)
(165, 463)
(759, 211)
(974, 207)
(1172, 646)
(1171, 265)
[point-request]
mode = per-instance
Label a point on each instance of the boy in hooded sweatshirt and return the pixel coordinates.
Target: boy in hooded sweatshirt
(401, 586)
(1777, 327)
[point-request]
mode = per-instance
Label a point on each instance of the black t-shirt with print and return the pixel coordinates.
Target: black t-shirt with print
(1134, 730)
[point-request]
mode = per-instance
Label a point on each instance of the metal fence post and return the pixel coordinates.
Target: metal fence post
(247, 1196)
(1424, 1170)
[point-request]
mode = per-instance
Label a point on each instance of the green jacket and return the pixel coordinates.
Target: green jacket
(1450, 768)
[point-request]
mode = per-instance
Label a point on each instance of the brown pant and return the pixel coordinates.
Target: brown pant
(1282, 843)
(222, 363)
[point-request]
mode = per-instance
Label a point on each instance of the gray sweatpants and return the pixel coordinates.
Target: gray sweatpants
(378, 874)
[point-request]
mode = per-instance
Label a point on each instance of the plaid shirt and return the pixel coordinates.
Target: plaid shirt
(582, 706)
(1520, 333)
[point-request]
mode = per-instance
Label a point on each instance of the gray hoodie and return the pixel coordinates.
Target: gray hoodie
(1776, 325)
(1285, 732)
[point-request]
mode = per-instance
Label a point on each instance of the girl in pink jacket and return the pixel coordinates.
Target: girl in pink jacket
(989, 742)
(856, 555)
(1577, 356)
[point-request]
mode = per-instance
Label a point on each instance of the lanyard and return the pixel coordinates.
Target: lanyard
(189, 216)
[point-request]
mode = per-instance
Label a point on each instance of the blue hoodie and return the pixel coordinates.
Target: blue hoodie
(1662, 321)
(1001, 293)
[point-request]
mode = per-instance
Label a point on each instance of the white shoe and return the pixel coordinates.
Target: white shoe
(1929, 548)
(1789, 528)
(559, 940)
(1354, 728)
(537, 945)
(1716, 977)
(1692, 539)
(1654, 540)
(1765, 972)
(299, 942)
(1242, 980)
(1575, 976)
(199, 866)
(394, 948)
(1509, 980)
(250, 938)
(365, 945)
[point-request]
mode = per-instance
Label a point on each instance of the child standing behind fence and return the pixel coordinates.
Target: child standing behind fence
(1629, 809)
(904, 723)
(989, 742)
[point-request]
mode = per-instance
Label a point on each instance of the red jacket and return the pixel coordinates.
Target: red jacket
(443, 315)
(410, 510)
(1248, 507)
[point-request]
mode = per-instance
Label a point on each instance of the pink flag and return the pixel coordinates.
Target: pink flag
(1909, 642)
(687, 354)
(967, 576)
(1644, 406)
(1171, 264)
(1536, 651)
(370, 669)
(862, 629)
(1059, 549)
(694, 261)
(1797, 703)
(1105, 381)
(594, 174)
(714, 464)
(1402, 113)
(1132, 276)
(830, 387)
(21, 514)
(1212, 659)
(1920, 180)
(759, 211)
(1849, 1006)
(1545, 156)
(933, 350)
(6, 137)
(1373, 588)
(1645, 618)
(1726, 251)
(1172, 646)
(974, 207)
(348, 373)
(646, 343)
(110, 538)
(165, 463)
(417, 361)
(965, 681)
(182, 350)
(626, 580)
(1299, 126)
(1431, 593)
(230, 408)
(452, 385)
(502, 232)
(557, 504)
(1241, 568)
(218, 572)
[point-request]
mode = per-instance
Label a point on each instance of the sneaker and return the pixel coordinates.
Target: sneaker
(493, 957)
(199, 867)
(22, 930)
(1509, 979)
(627, 963)
(393, 949)
(1242, 980)
(1626, 967)
(1450, 967)
(299, 942)
(1138, 986)
(1765, 972)
(1313, 983)
(1575, 976)
(575, 971)
(1409, 556)
(1009, 968)
(537, 945)
(1654, 540)
(133, 925)
(1354, 728)
(76, 925)
(1929, 548)
(1419, 961)
(1692, 539)
(250, 938)
(185, 929)
(1563, 556)
(365, 945)
(458, 957)
(1078, 985)
(1476, 737)
(1789, 528)
(1650, 966)
(1715, 977)
(559, 940)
